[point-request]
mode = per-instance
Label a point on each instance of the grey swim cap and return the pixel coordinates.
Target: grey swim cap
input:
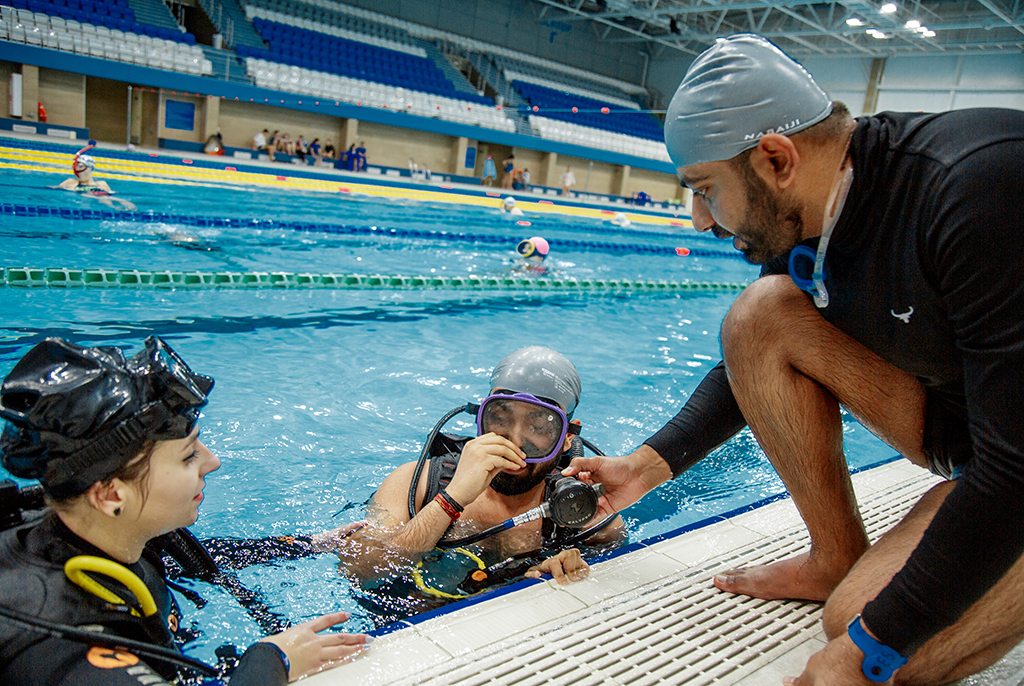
(736, 91)
(541, 372)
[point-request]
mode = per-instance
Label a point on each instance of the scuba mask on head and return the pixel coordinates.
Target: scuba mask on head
(76, 415)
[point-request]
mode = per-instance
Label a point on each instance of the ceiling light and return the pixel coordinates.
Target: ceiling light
(887, 8)
(928, 33)
(881, 36)
(913, 24)
(872, 32)
(855, 21)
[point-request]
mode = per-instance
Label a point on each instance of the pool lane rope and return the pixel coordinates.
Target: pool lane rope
(63, 277)
(203, 221)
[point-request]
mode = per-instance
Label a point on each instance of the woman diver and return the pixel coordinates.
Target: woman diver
(83, 592)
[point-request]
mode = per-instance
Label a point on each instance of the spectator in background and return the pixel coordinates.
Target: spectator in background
(273, 145)
(490, 173)
(259, 141)
(329, 151)
(508, 166)
(314, 150)
(301, 149)
(215, 144)
(347, 159)
(287, 145)
(525, 178)
(568, 181)
(360, 160)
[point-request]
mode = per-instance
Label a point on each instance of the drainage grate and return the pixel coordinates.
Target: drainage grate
(673, 631)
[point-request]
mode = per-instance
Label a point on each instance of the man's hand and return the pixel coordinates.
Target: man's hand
(838, 664)
(482, 459)
(310, 652)
(626, 479)
(565, 567)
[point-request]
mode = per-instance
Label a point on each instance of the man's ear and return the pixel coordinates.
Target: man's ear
(568, 436)
(108, 497)
(776, 160)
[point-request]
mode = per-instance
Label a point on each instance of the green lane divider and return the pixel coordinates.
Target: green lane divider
(28, 277)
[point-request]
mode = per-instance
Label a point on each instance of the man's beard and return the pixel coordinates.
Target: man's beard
(772, 226)
(519, 483)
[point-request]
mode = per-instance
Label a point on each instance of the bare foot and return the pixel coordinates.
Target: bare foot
(796, 578)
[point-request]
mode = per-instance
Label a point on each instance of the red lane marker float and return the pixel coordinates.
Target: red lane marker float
(447, 188)
(230, 169)
(187, 161)
(493, 195)
(523, 223)
(607, 212)
(545, 202)
(604, 110)
(342, 189)
(682, 252)
(280, 178)
(153, 154)
(677, 224)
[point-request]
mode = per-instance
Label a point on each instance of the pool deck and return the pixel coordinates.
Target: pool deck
(650, 615)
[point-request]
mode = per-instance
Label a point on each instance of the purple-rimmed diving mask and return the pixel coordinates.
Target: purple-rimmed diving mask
(537, 426)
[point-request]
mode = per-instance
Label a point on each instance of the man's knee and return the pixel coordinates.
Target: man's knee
(760, 314)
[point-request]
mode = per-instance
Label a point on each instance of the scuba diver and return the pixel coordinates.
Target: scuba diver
(84, 166)
(84, 595)
(501, 490)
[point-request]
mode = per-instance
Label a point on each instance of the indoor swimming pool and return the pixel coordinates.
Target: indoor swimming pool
(322, 393)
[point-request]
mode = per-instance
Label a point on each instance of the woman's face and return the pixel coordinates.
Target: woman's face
(176, 479)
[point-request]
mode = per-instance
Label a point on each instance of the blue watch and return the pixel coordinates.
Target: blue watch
(880, 661)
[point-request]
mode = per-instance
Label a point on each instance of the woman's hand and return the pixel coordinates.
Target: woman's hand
(310, 652)
(565, 567)
(482, 459)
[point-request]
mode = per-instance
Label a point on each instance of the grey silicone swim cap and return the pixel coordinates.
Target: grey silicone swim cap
(736, 91)
(541, 372)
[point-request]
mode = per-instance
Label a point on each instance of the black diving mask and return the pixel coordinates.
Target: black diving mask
(76, 415)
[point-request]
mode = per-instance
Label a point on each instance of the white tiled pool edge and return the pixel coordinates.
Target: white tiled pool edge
(648, 616)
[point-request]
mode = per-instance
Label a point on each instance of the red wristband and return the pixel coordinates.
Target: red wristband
(448, 508)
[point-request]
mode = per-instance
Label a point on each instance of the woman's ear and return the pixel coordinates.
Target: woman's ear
(776, 160)
(109, 497)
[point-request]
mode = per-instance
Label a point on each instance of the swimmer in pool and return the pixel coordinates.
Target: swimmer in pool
(470, 485)
(83, 166)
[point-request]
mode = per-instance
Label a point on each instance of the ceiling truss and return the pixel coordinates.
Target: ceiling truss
(861, 28)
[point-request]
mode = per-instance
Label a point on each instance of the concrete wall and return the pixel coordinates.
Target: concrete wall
(239, 122)
(63, 96)
(6, 69)
(106, 109)
(394, 147)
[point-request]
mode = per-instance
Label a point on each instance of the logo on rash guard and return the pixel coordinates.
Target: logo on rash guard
(905, 316)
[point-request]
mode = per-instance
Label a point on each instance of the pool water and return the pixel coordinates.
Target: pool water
(321, 394)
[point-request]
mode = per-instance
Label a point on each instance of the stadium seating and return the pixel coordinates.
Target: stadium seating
(99, 40)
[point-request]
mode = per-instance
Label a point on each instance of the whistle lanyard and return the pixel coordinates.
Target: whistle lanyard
(816, 284)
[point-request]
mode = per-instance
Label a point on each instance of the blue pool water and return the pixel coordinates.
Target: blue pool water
(320, 394)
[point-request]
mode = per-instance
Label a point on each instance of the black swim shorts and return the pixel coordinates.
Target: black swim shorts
(947, 440)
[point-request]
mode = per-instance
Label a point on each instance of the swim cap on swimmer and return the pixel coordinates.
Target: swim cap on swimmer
(508, 203)
(76, 415)
(86, 161)
(734, 93)
(541, 372)
(535, 248)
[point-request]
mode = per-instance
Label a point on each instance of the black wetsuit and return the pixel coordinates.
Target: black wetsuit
(926, 269)
(32, 582)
